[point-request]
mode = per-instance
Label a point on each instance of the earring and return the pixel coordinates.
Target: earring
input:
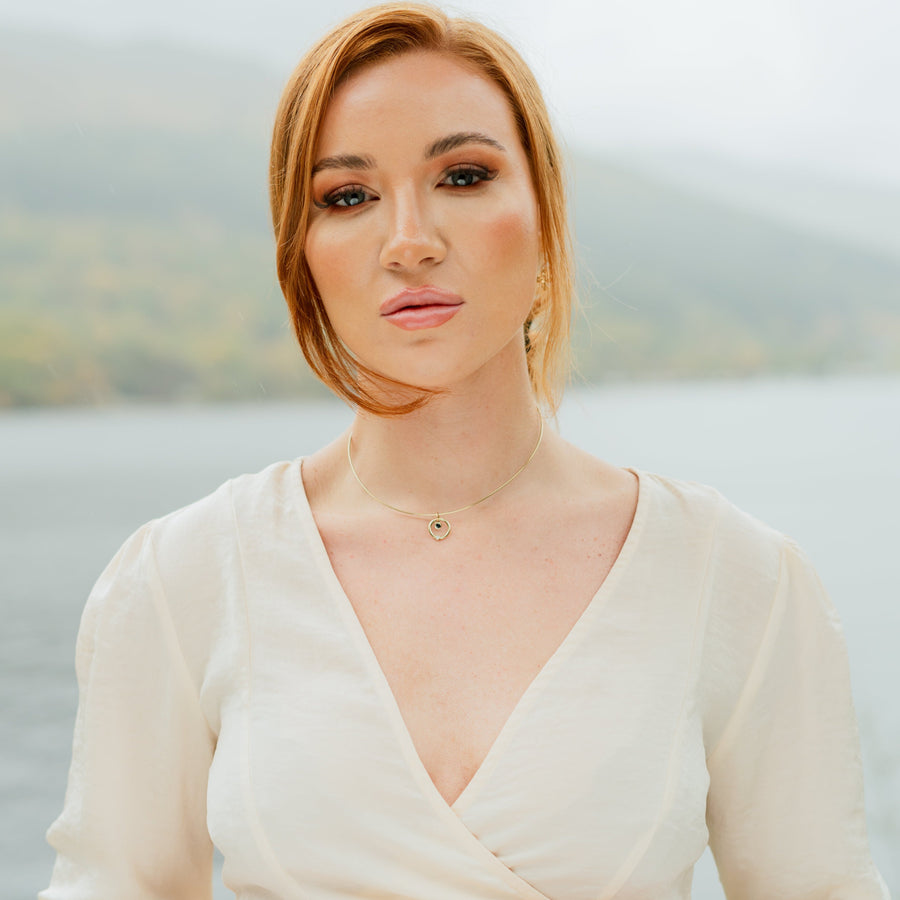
(543, 278)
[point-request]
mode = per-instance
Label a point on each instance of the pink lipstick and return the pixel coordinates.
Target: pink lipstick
(424, 307)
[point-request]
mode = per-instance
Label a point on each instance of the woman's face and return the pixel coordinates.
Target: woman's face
(424, 238)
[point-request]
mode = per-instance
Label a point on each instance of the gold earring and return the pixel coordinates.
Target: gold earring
(543, 278)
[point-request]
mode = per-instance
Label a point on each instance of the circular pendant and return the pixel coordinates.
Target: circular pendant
(439, 528)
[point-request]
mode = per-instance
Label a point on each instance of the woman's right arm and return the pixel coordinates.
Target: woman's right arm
(134, 820)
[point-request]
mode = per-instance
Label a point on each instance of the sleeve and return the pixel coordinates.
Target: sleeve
(785, 808)
(134, 819)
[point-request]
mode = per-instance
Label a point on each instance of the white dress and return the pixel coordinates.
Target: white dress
(228, 694)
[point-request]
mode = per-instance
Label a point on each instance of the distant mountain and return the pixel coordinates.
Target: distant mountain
(50, 80)
(138, 128)
(860, 212)
(136, 260)
(686, 284)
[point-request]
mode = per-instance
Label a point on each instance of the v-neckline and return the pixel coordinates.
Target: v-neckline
(389, 701)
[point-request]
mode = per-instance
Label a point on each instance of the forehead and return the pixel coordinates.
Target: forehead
(417, 95)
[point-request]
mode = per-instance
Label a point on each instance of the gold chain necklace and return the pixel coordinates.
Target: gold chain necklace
(438, 526)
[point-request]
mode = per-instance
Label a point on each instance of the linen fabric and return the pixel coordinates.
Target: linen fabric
(228, 694)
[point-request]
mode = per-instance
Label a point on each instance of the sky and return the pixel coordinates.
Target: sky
(814, 84)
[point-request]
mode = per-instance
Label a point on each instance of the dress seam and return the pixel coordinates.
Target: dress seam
(164, 612)
(253, 820)
(753, 674)
(642, 846)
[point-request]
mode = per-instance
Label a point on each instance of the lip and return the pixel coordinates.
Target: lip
(424, 307)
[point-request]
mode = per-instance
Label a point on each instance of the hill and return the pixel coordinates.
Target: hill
(136, 261)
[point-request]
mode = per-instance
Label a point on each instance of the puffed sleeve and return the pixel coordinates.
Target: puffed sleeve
(785, 807)
(134, 819)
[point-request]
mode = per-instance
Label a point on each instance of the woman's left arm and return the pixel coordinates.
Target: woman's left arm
(785, 807)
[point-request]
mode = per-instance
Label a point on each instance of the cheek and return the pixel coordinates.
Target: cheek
(333, 257)
(508, 247)
(520, 237)
(322, 257)
(510, 237)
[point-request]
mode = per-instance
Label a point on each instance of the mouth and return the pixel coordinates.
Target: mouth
(425, 307)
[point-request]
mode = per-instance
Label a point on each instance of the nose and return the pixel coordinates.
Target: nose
(413, 239)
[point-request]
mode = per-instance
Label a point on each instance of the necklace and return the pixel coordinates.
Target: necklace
(438, 526)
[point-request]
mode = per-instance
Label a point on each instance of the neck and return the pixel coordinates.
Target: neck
(449, 453)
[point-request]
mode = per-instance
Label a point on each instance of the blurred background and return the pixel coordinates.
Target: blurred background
(735, 187)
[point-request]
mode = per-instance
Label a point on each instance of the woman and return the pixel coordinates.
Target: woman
(450, 655)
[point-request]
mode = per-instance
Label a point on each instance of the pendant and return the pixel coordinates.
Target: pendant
(439, 527)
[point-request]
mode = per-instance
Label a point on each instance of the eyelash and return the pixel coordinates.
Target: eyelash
(479, 172)
(333, 199)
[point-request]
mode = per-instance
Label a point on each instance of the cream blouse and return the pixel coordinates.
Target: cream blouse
(228, 694)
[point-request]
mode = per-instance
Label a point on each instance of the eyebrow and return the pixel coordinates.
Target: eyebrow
(439, 147)
(452, 141)
(344, 161)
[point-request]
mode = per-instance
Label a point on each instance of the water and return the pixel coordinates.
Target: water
(818, 459)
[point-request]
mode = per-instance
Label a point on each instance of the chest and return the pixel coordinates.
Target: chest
(461, 629)
(600, 759)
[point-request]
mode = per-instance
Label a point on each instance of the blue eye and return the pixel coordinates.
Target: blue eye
(467, 176)
(345, 197)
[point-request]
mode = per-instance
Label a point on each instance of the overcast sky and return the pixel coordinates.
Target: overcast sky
(811, 82)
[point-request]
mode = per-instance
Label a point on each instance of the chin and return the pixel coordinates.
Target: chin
(433, 365)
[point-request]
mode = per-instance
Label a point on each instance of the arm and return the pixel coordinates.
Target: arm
(785, 807)
(134, 819)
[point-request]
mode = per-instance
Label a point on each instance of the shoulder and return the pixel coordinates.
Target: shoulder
(244, 501)
(730, 562)
(748, 578)
(185, 573)
(188, 555)
(734, 544)
(200, 550)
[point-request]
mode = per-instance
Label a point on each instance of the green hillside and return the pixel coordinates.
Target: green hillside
(136, 261)
(678, 284)
(859, 211)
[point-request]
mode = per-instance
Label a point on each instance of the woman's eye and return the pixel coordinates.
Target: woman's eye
(466, 177)
(345, 197)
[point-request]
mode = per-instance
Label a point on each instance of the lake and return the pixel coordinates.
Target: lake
(817, 458)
